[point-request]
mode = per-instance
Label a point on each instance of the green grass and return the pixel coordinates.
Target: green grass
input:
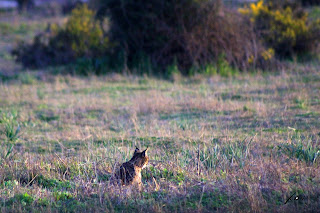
(206, 152)
(302, 148)
(243, 143)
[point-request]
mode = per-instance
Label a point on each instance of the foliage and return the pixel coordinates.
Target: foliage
(82, 37)
(24, 199)
(302, 148)
(309, 2)
(11, 131)
(284, 27)
(186, 33)
(204, 155)
(25, 4)
(86, 33)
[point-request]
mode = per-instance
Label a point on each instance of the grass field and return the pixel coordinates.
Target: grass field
(240, 144)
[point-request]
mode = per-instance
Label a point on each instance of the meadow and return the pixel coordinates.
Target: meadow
(245, 143)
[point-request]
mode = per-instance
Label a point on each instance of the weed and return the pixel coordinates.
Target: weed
(10, 184)
(48, 116)
(62, 195)
(43, 202)
(301, 148)
(23, 199)
(177, 177)
(173, 72)
(232, 153)
(11, 131)
(40, 93)
(301, 103)
(308, 115)
(27, 78)
(6, 29)
(224, 68)
(210, 69)
(53, 183)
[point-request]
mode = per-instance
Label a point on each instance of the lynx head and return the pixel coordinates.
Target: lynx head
(140, 159)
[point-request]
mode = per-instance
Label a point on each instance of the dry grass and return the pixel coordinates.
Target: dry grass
(215, 144)
(242, 144)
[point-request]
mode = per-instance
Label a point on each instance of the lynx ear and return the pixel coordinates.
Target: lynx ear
(144, 153)
(136, 150)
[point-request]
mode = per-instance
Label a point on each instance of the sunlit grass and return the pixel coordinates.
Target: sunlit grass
(240, 144)
(243, 143)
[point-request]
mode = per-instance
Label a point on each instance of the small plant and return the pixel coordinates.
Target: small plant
(6, 29)
(27, 78)
(238, 152)
(300, 103)
(10, 184)
(168, 174)
(233, 153)
(11, 131)
(173, 72)
(224, 68)
(23, 199)
(210, 69)
(301, 148)
(40, 93)
(52, 183)
(62, 195)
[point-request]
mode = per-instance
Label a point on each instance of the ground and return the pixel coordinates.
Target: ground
(243, 143)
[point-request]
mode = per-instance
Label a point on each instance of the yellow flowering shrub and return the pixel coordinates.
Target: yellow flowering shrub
(81, 37)
(268, 54)
(284, 28)
(85, 31)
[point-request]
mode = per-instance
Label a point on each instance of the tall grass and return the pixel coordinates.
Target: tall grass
(305, 148)
(11, 131)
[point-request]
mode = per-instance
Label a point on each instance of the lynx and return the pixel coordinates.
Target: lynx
(129, 172)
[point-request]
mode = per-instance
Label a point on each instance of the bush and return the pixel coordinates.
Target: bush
(82, 37)
(187, 33)
(284, 27)
(310, 2)
(25, 4)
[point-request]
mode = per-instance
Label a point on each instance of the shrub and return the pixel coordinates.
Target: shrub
(85, 34)
(284, 27)
(309, 2)
(10, 128)
(25, 4)
(81, 37)
(188, 33)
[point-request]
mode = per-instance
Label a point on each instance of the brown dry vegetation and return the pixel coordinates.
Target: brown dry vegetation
(241, 144)
(215, 143)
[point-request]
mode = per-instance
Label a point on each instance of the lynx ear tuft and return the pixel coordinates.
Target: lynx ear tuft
(144, 153)
(136, 150)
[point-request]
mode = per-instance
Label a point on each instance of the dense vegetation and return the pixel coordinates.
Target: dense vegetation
(188, 33)
(246, 143)
(285, 28)
(186, 36)
(82, 36)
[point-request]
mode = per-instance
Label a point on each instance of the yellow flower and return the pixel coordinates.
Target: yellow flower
(267, 54)
(244, 11)
(255, 8)
(250, 59)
